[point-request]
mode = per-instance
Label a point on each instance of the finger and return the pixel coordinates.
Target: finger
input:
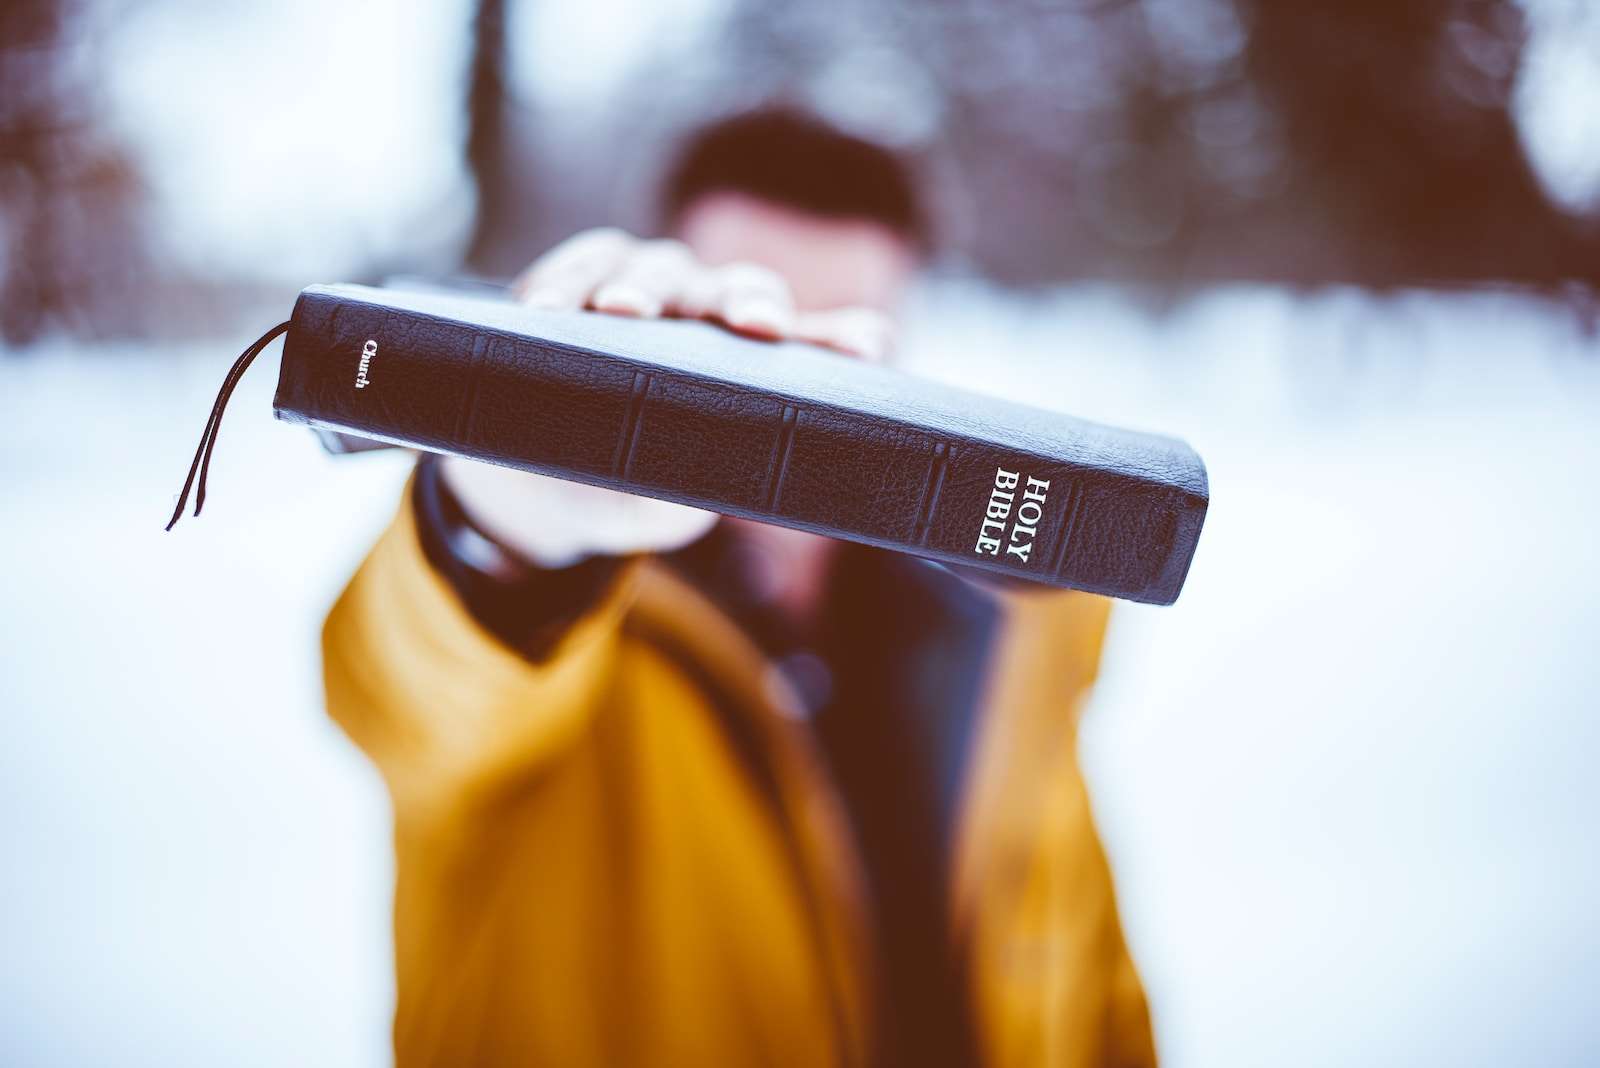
(567, 275)
(864, 332)
(648, 280)
(754, 300)
(697, 298)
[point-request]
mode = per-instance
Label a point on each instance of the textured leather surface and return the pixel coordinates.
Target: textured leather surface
(789, 434)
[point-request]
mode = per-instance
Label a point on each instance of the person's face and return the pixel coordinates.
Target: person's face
(829, 263)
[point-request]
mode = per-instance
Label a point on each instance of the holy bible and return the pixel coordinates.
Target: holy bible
(782, 433)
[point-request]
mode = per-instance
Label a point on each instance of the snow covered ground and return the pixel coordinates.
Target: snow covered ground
(1348, 781)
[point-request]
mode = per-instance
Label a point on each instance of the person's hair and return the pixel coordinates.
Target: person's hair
(799, 162)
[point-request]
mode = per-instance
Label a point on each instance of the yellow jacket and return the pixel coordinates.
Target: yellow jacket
(587, 875)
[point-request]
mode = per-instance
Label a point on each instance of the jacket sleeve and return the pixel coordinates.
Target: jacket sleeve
(440, 705)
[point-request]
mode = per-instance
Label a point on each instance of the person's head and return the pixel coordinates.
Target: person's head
(837, 216)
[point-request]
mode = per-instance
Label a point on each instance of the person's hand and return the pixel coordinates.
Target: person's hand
(556, 523)
(611, 271)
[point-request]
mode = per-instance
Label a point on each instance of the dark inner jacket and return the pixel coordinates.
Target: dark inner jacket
(892, 676)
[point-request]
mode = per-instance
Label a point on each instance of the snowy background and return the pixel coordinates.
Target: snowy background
(1347, 782)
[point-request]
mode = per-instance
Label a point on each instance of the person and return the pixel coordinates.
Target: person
(673, 788)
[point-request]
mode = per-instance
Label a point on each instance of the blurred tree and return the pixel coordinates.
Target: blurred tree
(497, 184)
(1185, 141)
(72, 252)
(1168, 141)
(1403, 151)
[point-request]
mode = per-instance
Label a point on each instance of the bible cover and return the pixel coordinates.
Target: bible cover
(788, 434)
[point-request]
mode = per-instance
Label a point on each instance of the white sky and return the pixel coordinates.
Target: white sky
(1558, 100)
(297, 139)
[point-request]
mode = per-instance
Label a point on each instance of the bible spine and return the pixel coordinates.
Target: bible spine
(783, 434)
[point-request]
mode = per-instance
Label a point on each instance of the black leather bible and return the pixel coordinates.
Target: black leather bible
(788, 434)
